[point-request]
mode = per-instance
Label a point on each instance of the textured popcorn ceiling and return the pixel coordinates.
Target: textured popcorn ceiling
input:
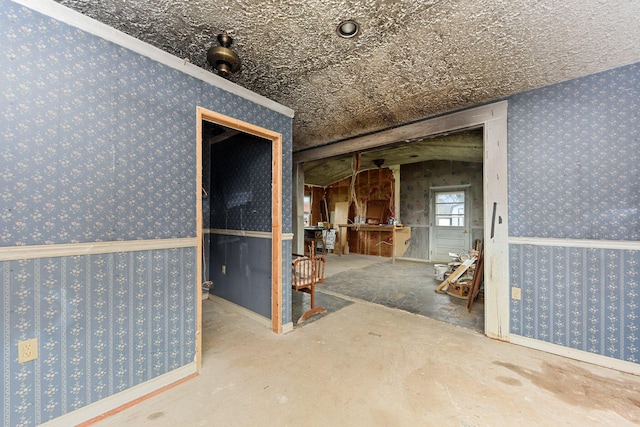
(412, 58)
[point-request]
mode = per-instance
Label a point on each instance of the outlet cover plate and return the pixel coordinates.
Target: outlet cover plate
(516, 293)
(27, 350)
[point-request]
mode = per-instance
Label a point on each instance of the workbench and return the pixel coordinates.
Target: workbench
(393, 229)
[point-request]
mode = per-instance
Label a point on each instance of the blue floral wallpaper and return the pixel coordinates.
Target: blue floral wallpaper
(228, 104)
(98, 143)
(103, 122)
(574, 158)
(240, 185)
(87, 125)
(104, 322)
(587, 299)
(574, 173)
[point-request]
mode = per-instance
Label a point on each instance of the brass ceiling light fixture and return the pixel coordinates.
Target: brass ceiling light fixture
(378, 162)
(222, 58)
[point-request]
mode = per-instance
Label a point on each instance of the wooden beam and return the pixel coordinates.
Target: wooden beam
(451, 122)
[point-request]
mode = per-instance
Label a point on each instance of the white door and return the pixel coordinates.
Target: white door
(449, 224)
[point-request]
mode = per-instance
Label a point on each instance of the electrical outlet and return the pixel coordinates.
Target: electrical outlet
(516, 293)
(224, 269)
(27, 350)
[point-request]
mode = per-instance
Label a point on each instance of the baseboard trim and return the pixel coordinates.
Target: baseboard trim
(244, 311)
(97, 411)
(581, 355)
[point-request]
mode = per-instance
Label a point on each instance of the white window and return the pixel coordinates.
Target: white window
(307, 209)
(450, 209)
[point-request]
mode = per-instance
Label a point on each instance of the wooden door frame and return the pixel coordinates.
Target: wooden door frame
(276, 214)
(492, 118)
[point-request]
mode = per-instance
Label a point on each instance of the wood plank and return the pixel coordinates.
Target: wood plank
(341, 217)
(477, 280)
(276, 230)
(457, 273)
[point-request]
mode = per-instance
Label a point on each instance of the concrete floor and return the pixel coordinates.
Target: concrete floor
(368, 365)
(406, 285)
(338, 264)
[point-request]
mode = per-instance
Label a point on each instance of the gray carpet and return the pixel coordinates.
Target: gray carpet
(408, 286)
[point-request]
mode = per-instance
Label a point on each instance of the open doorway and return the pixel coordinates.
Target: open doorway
(243, 240)
(439, 201)
(491, 119)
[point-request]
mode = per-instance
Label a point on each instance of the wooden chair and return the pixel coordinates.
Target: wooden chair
(308, 271)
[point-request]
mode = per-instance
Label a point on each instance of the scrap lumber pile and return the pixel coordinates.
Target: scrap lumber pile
(464, 276)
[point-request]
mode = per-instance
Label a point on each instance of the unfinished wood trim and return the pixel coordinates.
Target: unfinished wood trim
(576, 243)
(115, 403)
(276, 229)
(135, 401)
(470, 118)
(276, 201)
(91, 26)
(13, 253)
(200, 240)
(581, 355)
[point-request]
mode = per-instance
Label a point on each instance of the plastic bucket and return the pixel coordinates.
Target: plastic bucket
(439, 270)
